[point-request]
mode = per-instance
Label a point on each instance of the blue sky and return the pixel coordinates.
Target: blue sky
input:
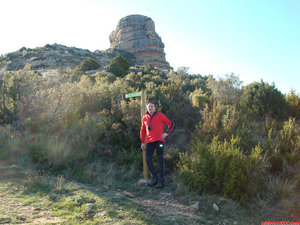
(255, 39)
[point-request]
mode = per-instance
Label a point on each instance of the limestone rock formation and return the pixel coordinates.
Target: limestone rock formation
(136, 34)
(56, 56)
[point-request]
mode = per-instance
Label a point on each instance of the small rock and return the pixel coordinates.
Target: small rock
(20, 218)
(215, 207)
(118, 194)
(195, 206)
(100, 213)
(90, 208)
(128, 194)
(235, 222)
(140, 182)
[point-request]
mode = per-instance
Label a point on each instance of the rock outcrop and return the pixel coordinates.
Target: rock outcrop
(136, 34)
(56, 56)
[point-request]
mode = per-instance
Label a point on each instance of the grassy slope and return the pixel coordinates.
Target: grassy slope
(26, 197)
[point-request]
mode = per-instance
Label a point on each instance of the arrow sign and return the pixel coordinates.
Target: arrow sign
(134, 94)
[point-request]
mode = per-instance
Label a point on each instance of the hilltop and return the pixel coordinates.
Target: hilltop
(56, 56)
(135, 39)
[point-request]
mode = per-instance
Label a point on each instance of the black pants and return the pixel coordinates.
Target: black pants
(150, 148)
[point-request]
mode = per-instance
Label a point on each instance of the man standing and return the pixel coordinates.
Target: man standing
(153, 125)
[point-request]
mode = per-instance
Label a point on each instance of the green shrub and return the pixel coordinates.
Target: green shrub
(221, 168)
(199, 100)
(197, 169)
(210, 124)
(283, 146)
(88, 64)
(246, 133)
(293, 102)
(37, 154)
(40, 184)
(231, 169)
(219, 120)
(118, 66)
(10, 144)
(261, 99)
(226, 90)
(289, 142)
(129, 157)
(171, 158)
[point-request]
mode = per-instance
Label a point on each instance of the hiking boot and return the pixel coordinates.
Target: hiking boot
(152, 182)
(160, 183)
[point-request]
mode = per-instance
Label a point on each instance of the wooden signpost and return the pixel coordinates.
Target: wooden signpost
(142, 94)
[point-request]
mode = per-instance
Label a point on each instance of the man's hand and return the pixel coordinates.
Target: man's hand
(164, 135)
(143, 146)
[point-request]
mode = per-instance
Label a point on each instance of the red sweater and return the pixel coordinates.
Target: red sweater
(156, 123)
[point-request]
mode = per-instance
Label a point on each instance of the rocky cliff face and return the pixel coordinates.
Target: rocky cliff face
(136, 34)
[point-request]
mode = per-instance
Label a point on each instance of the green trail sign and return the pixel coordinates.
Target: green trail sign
(134, 94)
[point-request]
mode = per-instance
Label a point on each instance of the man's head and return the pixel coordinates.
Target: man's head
(151, 107)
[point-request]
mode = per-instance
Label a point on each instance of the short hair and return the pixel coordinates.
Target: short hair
(152, 102)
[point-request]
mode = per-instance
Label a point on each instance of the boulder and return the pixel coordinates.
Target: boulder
(136, 35)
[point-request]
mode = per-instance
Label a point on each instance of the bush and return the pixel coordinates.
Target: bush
(226, 90)
(293, 101)
(10, 144)
(283, 147)
(197, 169)
(118, 66)
(88, 64)
(129, 157)
(221, 168)
(174, 104)
(261, 99)
(219, 120)
(198, 98)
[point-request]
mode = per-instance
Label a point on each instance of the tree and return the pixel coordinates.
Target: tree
(293, 101)
(226, 91)
(16, 89)
(262, 99)
(118, 66)
(88, 64)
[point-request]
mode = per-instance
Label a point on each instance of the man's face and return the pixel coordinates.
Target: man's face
(151, 108)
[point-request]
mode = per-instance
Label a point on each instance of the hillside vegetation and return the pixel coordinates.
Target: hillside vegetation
(240, 143)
